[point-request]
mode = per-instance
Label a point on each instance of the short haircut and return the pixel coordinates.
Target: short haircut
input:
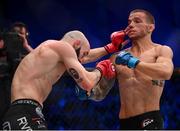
(76, 35)
(149, 16)
(20, 25)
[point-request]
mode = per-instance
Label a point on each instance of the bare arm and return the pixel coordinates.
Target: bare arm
(102, 89)
(94, 55)
(86, 80)
(117, 43)
(162, 69)
(104, 86)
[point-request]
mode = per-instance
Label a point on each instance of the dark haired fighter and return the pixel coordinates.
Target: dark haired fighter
(141, 72)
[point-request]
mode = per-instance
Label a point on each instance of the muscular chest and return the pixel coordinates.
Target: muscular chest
(148, 57)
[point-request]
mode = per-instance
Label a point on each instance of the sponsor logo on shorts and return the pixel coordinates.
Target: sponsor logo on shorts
(6, 125)
(147, 122)
(23, 124)
(39, 122)
(39, 112)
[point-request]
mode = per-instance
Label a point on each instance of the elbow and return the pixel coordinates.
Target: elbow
(166, 75)
(167, 72)
(87, 86)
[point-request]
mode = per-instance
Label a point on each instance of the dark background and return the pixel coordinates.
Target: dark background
(97, 19)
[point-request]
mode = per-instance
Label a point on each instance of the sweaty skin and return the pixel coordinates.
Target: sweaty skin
(41, 68)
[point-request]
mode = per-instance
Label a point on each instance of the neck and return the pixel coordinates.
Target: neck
(140, 45)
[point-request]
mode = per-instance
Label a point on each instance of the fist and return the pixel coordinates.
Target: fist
(125, 58)
(106, 68)
(117, 38)
(117, 42)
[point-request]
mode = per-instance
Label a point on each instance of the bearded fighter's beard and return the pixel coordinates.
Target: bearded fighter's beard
(78, 52)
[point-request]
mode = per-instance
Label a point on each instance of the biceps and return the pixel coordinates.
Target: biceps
(74, 68)
(165, 61)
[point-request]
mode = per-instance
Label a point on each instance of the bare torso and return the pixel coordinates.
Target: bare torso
(36, 74)
(138, 92)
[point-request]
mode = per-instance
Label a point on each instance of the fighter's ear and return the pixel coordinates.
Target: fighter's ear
(151, 27)
(77, 43)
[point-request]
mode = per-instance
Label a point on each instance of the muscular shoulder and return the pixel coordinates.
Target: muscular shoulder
(54, 44)
(164, 50)
(58, 46)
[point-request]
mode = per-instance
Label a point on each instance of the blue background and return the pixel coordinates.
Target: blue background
(97, 19)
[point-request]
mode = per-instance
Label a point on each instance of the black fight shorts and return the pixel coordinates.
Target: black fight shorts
(24, 114)
(149, 120)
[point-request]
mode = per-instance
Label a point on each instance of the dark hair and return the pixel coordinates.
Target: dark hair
(149, 16)
(20, 25)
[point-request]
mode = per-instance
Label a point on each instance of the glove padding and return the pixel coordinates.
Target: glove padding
(125, 58)
(117, 38)
(82, 94)
(106, 68)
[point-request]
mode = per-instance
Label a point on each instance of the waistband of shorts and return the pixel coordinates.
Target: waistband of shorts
(26, 101)
(151, 113)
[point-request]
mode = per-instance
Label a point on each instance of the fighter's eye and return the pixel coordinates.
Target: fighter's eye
(137, 20)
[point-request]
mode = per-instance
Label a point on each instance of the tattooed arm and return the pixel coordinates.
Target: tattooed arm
(102, 89)
(85, 79)
(98, 92)
(104, 85)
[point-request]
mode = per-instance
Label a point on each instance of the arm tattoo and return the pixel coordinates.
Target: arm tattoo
(75, 75)
(159, 83)
(102, 89)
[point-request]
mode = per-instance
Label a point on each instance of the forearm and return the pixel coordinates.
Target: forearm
(98, 92)
(105, 76)
(157, 71)
(85, 79)
(91, 80)
(94, 55)
(117, 42)
(97, 77)
(102, 89)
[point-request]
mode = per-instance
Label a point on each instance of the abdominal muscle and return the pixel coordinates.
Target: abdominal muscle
(137, 95)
